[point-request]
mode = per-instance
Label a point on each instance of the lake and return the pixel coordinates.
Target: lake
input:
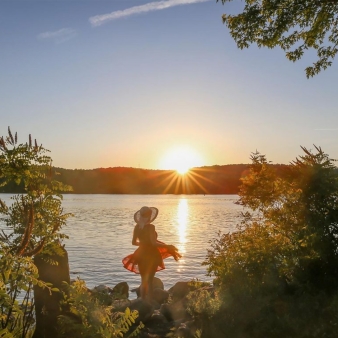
(101, 232)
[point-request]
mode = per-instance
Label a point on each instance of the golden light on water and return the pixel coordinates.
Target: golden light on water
(182, 221)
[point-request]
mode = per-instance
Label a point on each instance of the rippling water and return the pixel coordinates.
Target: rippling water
(101, 232)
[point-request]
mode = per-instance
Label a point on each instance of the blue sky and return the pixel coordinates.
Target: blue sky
(104, 83)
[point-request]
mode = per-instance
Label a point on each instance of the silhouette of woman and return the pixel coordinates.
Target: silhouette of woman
(148, 257)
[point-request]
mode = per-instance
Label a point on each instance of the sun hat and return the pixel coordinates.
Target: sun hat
(145, 215)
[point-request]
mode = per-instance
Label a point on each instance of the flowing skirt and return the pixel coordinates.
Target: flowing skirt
(150, 255)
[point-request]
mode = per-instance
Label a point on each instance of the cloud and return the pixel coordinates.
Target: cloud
(327, 129)
(62, 35)
(99, 20)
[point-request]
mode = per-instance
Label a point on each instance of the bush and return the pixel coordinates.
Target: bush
(278, 273)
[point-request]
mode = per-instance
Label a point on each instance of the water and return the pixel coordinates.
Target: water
(101, 232)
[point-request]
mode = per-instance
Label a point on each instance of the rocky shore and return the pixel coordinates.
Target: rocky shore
(168, 311)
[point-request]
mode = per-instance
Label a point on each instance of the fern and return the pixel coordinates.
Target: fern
(89, 317)
(126, 321)
(4, 333)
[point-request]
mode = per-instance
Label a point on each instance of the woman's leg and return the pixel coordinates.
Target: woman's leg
(144, 286)
(144, 280)
(147, 276)
(150, 283)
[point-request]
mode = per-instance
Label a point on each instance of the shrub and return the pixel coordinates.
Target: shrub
(282, 261)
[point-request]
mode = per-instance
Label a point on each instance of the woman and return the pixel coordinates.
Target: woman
(148, 257)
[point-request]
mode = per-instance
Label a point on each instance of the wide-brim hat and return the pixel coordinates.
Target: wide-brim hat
(145, 215)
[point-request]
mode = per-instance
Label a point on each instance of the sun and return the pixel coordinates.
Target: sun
(181, 159)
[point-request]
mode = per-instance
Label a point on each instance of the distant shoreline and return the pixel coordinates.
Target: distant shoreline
(212, 180)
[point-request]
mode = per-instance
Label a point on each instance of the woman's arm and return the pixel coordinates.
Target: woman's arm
(154, 241)
(173, 251)
(134, 240)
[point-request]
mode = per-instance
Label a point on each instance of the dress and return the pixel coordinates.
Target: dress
(148, 253)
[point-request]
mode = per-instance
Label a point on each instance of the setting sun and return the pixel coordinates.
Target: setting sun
(181, 159)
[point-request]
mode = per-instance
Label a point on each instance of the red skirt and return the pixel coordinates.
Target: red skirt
(147, 254)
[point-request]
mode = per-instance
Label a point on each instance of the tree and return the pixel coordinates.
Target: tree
(294, 25)
(31, 254)
(31, 226)
(283, 259)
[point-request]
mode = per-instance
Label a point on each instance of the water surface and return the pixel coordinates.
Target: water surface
(101, 232)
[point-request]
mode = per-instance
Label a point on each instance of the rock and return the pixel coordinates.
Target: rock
(120, 305)
(157, 284)
(120, 291)
(102, 288)
(155, 305)
(181, 289)
(158, 326)
(184, 332)
(166, 312)
(144, 309)
(157, 318)
(175, 311)
(160, 296)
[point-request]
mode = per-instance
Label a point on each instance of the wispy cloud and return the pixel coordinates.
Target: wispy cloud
(99, 20)
(62, 35)
(327, 129)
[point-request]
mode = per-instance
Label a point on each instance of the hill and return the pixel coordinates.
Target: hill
(217, 179)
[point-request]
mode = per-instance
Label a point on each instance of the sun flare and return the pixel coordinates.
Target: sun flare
(181, 159)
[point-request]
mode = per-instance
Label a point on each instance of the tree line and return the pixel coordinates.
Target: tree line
(217, 179)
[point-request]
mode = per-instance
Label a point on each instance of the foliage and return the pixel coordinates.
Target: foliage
(277, 274)
(18, 275)
(32, 225)
(203, 302)
(88, 317)
(173, 333)
(293, 25)
(33, 219)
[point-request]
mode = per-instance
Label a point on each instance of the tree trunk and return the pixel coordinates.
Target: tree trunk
(47, 306)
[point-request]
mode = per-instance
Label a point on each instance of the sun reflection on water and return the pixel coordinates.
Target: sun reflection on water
(182, 221)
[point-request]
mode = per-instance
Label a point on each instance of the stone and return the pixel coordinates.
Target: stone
(154, 304)
(180, 289)
(157, 318)
(120, 305)
(157, 284)
(160, 296)
(101, 288)
(120, 291)
(144, 309)
(184, 332)
(175, 311)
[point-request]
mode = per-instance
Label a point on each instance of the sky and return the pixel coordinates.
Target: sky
(107, 83)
